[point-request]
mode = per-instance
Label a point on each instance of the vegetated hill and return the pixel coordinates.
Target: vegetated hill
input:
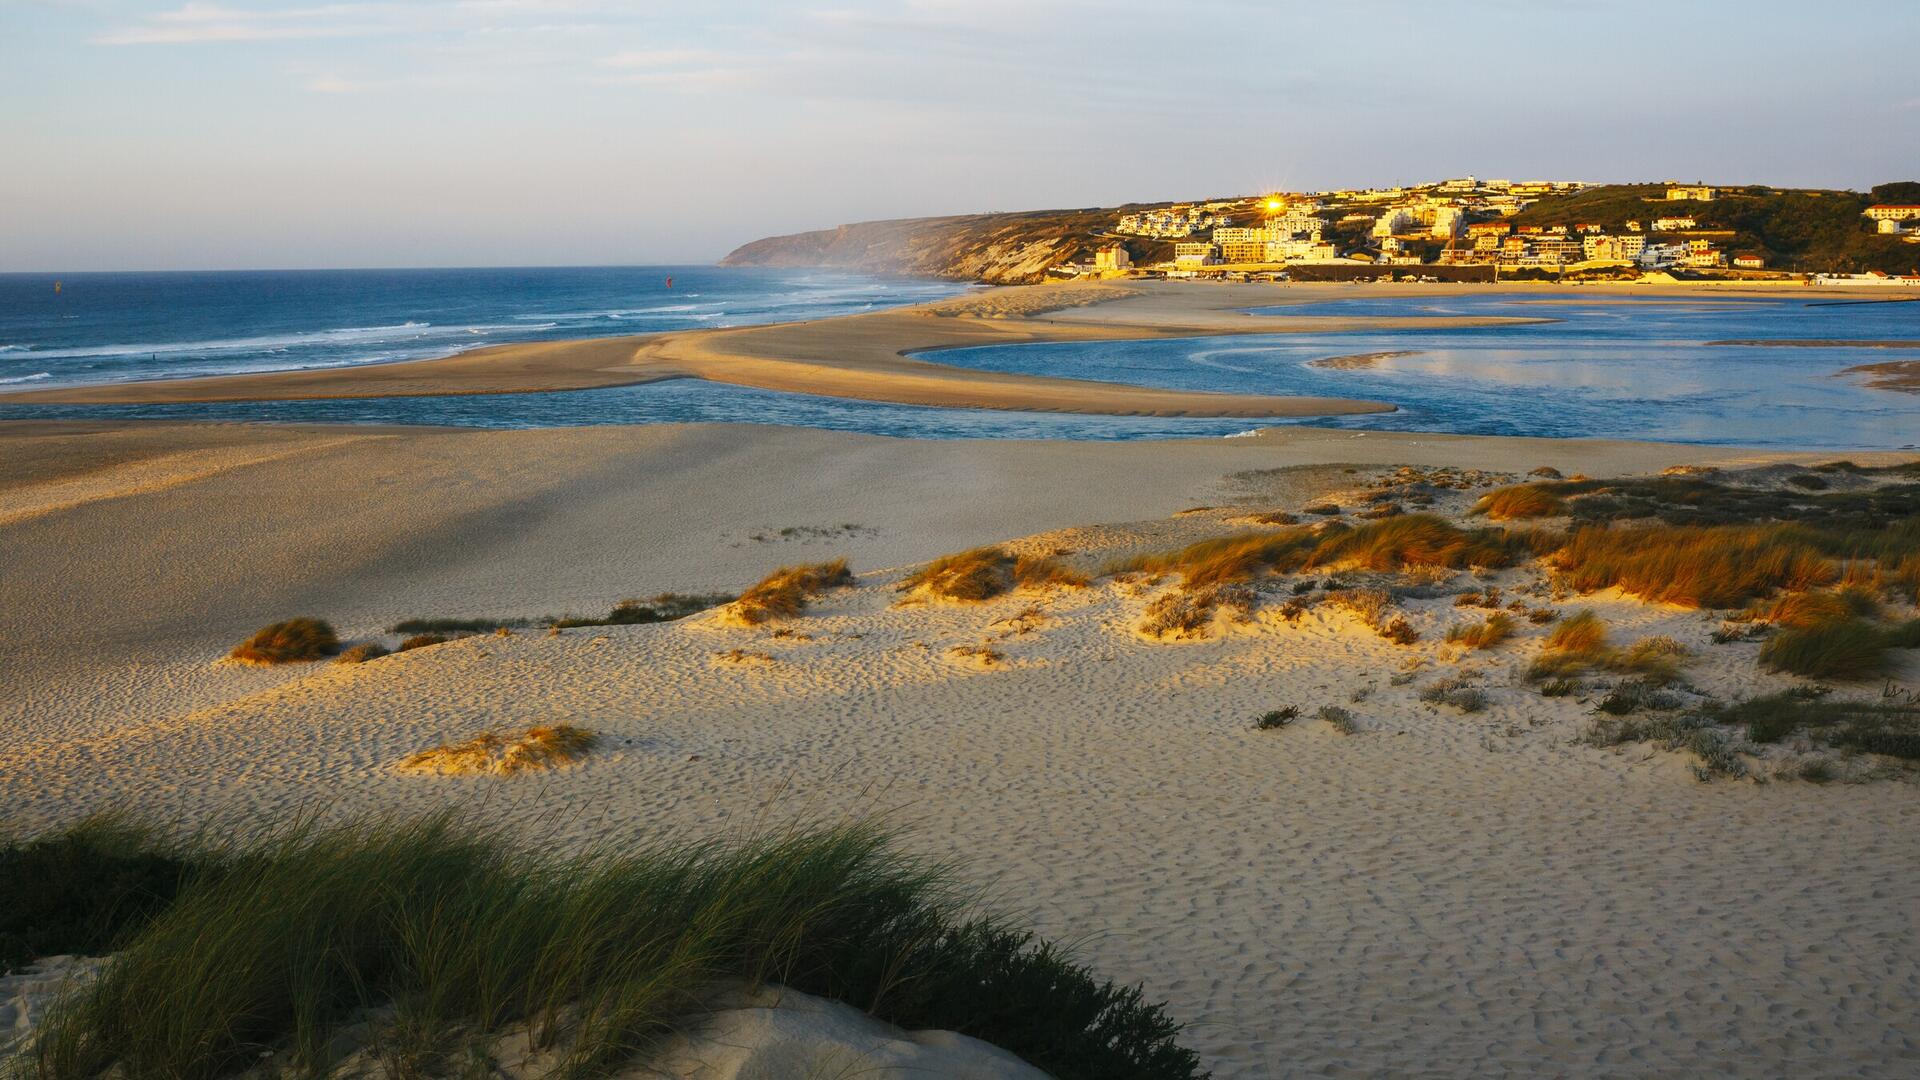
(1796, 229)
(1002, 249)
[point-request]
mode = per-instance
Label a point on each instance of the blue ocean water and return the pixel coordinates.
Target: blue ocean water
(98, 328)
(1627, 369)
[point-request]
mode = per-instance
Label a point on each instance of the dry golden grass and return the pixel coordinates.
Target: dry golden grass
(1582, 632)
(1519, 501)
(1407, 541)
(980, 656)
(1484, 634)
(785, 593)
(1695, 566)
(291, 642)
(361, 653)
(1813, 608)
(1412, 540)
(742, 658)
(1843, 648)
(1041, 571)
(1579, 645)
(986, 572)
(488, 754)
(422, 641)
(1903, 578)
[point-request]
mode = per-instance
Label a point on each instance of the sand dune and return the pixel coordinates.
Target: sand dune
(1477, 893)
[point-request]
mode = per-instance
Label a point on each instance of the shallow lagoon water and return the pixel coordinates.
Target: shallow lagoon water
(1634, 369)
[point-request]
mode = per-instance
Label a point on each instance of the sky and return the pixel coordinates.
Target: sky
(160, 134)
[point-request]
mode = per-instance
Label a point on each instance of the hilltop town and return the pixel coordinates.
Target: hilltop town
(1472, 229)
(1465, 229)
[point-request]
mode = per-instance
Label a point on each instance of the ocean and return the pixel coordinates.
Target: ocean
(1637, 368)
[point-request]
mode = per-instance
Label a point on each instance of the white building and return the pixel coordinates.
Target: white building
(1191, 253)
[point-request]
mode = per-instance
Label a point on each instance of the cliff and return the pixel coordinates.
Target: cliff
(1000, 249)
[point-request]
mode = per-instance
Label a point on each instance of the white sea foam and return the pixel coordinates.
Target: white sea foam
(346, 335)
(26, 378)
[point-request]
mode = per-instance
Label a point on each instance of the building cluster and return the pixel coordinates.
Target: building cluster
(1893, 219)
(1173, 222)
(1459, 222)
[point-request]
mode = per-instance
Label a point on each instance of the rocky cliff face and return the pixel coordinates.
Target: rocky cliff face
(1000, 249)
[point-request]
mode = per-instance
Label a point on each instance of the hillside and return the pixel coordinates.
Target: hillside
(1799, 230)
(1001, 249)
(1803, 230)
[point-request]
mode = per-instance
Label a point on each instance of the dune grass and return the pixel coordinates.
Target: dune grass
(361, 653)
(1411, 540)
(786, 592)
(986, 572)
(1582, 632)
(295, 641)
(1519, 501)
(459, 932)
(1844, 648)
(83, 890)
(1485, 634)
(1814, 607)
(1770, 718)
(1403, 542)
(666, 607)
(1579, 644)
(1720, 566)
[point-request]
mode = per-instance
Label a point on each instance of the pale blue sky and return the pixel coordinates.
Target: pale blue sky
(247, 133)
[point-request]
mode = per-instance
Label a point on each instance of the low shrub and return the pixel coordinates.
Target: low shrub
(1637, 695)
(1278, 718)
(1339, 719)
(1519, 501)
(1713, 750)
(1456, 694)
(1399, 631)
(422, 641)
(294, 641)
(1176, 615)
(1561, 688)
(1884, 727)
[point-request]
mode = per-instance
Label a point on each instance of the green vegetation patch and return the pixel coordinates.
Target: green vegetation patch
(458, 932)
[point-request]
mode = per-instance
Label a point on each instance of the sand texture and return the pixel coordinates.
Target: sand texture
(1438, 893)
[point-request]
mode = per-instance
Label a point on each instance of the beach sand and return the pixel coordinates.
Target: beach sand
(1440, 894)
